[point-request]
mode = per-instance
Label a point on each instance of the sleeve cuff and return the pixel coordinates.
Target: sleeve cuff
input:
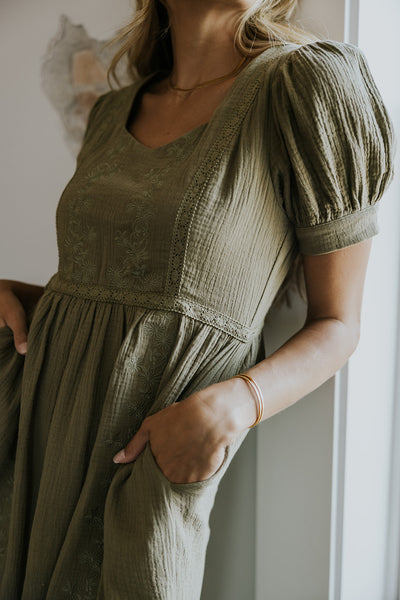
(339, 233)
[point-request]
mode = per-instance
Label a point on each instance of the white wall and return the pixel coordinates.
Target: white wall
(324, 18)
(34, 161)
(372, 368)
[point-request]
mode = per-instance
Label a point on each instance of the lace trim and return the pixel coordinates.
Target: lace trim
(207, 169)
(153, 300)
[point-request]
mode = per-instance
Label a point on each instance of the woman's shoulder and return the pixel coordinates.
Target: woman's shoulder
(112, 98)
(319, 51)
(102, 117)
(320, 78)
(106, 105)
(317, 74)
(316, 61)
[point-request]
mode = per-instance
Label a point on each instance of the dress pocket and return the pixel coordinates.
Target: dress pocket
(191, 486)
(6, 346)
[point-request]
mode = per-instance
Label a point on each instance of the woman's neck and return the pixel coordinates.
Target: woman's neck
(202, 33)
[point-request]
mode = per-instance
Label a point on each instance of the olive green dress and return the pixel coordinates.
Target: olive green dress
(169, 260)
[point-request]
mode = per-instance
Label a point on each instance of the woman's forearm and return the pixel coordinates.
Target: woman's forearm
(302, 364)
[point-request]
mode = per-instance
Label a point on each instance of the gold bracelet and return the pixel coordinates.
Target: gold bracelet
(258, 394)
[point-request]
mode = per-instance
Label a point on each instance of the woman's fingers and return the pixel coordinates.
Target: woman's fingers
(180, 443)
(13, 315)
(17, 322)
(136, 445)
(183, 437)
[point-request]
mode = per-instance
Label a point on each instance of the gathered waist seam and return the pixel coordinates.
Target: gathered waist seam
(154, 300)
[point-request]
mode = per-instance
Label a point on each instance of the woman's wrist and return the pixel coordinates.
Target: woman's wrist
(257, 394)
(247, 409)
(235, 407)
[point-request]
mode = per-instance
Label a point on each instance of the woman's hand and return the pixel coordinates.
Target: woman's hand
(17, 299)
(188, 438)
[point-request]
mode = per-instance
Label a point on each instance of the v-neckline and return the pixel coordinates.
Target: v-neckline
(132, 97)
(135, 88)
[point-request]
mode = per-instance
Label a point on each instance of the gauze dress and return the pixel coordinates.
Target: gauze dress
(169, 260)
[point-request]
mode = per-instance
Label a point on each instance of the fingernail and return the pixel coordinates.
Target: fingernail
(119, 456)
(23, 348)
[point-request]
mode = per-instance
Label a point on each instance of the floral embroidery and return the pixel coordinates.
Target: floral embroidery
(136, 251)
(79, 258)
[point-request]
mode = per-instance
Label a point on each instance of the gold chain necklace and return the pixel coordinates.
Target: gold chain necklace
(216, 80)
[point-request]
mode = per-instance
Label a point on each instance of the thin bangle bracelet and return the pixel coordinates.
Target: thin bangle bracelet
(258, 394)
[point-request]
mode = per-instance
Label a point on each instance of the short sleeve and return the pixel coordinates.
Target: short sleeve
(333, 145)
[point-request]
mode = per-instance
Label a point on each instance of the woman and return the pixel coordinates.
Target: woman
(241, 145)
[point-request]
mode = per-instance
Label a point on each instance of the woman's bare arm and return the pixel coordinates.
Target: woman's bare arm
(334, 284)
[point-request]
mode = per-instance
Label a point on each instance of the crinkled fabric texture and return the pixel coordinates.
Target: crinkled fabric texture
(169, 260)
(334, 145)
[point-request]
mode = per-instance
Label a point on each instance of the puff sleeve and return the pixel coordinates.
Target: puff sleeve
(333, 145)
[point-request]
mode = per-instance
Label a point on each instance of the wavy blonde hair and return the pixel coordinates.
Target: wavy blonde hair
(145, 41)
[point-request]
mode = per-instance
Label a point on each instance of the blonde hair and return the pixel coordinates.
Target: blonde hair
(145, 41)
